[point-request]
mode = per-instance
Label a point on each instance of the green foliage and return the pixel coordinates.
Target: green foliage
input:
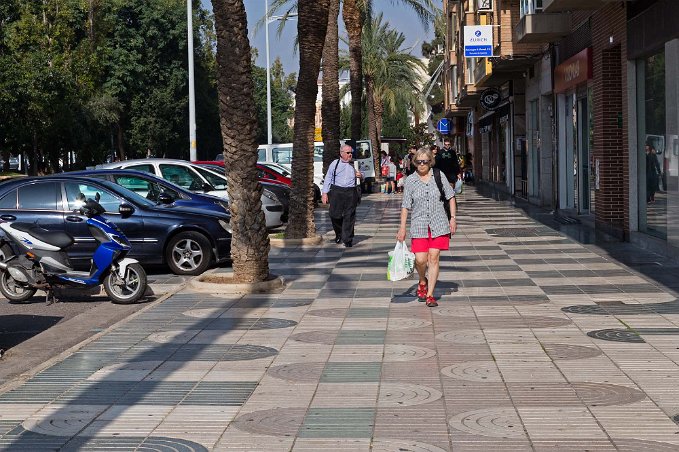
(396, 124)
(418, 136)
(281, 103)
(90, 77)
(97, 77)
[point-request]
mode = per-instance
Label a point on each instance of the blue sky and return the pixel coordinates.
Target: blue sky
(399, 17)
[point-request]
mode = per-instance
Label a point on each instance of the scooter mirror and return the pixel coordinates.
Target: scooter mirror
(165, 198)
(125, 210)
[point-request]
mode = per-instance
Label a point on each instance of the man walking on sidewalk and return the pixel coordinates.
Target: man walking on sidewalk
(339, 188)
(448, 162)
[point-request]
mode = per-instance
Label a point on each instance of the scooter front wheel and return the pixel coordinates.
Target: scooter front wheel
(14, 291)
(128, 289)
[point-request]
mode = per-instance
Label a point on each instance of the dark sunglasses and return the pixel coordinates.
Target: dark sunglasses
(422, 162)
(348, 152)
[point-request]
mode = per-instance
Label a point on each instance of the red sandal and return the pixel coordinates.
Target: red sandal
(422, 291)
(431, 302)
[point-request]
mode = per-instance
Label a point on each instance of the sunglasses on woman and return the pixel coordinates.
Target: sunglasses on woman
(422, 162)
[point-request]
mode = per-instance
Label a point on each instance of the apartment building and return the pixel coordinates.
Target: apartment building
(582, 87)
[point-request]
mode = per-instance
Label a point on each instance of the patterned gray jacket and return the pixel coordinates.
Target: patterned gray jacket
(424, 201)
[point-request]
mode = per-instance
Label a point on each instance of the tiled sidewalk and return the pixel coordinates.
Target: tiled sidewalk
(539, 343)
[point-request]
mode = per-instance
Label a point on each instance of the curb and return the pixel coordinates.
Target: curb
(222, 284)
(285, 243)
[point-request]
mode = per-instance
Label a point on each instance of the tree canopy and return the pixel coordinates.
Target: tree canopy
(84, 81)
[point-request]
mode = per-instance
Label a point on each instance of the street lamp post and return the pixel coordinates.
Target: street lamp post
(267, 20)
(269, 133)
(192, 93)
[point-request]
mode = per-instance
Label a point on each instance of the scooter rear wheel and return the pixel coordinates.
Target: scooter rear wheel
(13, 291)
(129, 289)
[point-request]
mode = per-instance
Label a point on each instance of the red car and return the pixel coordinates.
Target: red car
(270, 173)
(265, 173)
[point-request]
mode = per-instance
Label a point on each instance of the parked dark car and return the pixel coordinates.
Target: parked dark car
(157, 189)
(187, 240)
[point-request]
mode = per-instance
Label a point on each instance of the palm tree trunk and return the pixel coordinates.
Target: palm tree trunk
(312, 24)
(353, 22)
(330, 109)
(250, 242)
(372, 125)
(379, 117)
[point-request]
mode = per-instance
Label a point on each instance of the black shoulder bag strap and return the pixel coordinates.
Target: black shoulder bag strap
(334, 173)
(439, 184)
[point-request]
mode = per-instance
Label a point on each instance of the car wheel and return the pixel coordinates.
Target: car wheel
(188, 253)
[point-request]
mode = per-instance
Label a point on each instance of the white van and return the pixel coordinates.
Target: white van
(282, 154)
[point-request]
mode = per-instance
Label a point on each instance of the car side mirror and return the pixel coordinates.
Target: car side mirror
(165, 198)
(125, 210)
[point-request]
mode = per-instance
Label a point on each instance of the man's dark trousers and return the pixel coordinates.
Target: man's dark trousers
(343, 201)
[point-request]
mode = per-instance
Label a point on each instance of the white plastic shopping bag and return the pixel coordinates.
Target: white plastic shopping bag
(458, 187)
(401, 262)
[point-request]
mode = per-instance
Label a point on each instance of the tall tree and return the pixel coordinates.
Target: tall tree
(353, 14)
(392, 74)
(330, 109)
(250, 243)
(311, 30)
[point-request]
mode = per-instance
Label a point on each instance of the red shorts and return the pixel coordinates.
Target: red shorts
(422, 245)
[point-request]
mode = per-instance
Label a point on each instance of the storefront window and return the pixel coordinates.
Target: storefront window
(653, 159)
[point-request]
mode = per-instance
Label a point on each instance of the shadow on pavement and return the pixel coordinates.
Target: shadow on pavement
(17, 328)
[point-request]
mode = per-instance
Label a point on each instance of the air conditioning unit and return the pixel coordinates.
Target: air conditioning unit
(484, 5)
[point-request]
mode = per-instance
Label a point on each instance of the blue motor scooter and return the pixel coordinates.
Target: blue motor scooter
(42, 263)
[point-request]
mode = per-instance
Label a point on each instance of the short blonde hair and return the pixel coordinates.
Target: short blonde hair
(425, 152)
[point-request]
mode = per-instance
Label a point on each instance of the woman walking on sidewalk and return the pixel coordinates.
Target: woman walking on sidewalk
(430, 228)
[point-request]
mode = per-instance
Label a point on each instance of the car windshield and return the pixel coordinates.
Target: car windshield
(216, 180)
(279, 169)
(128, 194)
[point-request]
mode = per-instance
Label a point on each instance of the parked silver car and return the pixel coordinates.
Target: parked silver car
(200, 180)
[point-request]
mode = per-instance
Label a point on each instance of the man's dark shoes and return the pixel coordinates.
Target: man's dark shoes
(338, 239)
(348, 244)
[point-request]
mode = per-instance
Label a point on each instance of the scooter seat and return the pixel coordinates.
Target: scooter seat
(55, 238)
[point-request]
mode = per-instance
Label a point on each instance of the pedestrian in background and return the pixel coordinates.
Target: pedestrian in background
(435, 150)
(448, 161)
(391, 178)
(430, 229)
(408, 161)
(652, 173)
(400, 180)
(339, 189)
(385, 164)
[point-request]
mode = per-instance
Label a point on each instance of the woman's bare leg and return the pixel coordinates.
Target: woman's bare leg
(433, 264)
(421, 266)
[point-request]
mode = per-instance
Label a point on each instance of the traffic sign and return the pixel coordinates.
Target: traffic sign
(443, 126)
